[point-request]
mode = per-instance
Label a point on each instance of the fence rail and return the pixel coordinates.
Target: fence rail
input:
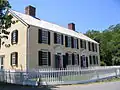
(59, 76)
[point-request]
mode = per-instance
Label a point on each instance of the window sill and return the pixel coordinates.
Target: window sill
(14, 65)
(44, 43)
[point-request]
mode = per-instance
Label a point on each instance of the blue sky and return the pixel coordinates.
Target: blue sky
(86, 14)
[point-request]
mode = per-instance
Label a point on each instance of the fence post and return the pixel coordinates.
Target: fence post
(116, 72)
(21, 78)
(97, 74)
(9, 80)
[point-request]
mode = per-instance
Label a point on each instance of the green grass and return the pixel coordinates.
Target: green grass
(67, 78)
(114, 79)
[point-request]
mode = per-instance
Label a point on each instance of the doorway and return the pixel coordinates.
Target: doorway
(84, 61)
(58, 61)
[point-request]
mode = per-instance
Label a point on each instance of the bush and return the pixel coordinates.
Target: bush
(102, 63)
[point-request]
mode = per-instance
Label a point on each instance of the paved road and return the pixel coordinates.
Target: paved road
(101, 86)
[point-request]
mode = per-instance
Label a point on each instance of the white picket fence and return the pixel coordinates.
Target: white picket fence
(52, 76)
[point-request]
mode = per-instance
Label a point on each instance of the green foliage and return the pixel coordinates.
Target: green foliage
(109, 40)
(5, 20)
(102, 63)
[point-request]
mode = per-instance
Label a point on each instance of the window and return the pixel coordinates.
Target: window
(44, 58)
(14, 37)
(58, 38)
(75, 43)
(0, 43)
(96, 47)
(93, 47)
(43, 36)
(89, 46)
(69, 41)
(14, 59)
(76, 56)
(69, 59)
(83, 44)
(1, 63)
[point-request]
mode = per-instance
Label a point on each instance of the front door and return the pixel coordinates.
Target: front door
(1, 63)
(58, 60)
(83, 61)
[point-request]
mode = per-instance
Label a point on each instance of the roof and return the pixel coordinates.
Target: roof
(50, 26)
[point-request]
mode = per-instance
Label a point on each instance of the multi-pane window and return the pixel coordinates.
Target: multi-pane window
(43, 36)
(76, 58)
(14, 59)
(58, 38)
(44, 58)
(82, 43)
(93, 59)
(69, 59)
(14, 37)
(92, 47)
(96, 47)
(89, 46)
(75, 43)
(69, 41)
(1, 63)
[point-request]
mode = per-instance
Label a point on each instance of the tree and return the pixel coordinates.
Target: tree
(5, 20)
(109, 40)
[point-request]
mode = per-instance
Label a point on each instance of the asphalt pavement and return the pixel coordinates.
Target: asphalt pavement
(96, 86)
(93, 86)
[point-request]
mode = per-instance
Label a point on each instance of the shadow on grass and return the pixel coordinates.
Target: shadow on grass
(6, 86)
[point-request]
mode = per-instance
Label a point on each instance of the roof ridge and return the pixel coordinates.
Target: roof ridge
(51, 26)
(11, 11)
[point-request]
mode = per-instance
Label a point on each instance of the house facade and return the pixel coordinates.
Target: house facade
(35, 43)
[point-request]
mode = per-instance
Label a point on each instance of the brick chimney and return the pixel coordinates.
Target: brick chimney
(30, 10)
(71, 26)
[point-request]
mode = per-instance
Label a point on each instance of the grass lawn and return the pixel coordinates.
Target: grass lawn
(110, 80)
(68, 78)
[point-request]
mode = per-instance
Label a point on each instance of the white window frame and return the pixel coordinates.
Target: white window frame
(69, 41)
(1, 62)
(43, 64)
(91, 49)
(75, 43)
(69, 59)
(76, 59)
(14, 36)
(59, 41)
(13, 59)
(44, 36)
